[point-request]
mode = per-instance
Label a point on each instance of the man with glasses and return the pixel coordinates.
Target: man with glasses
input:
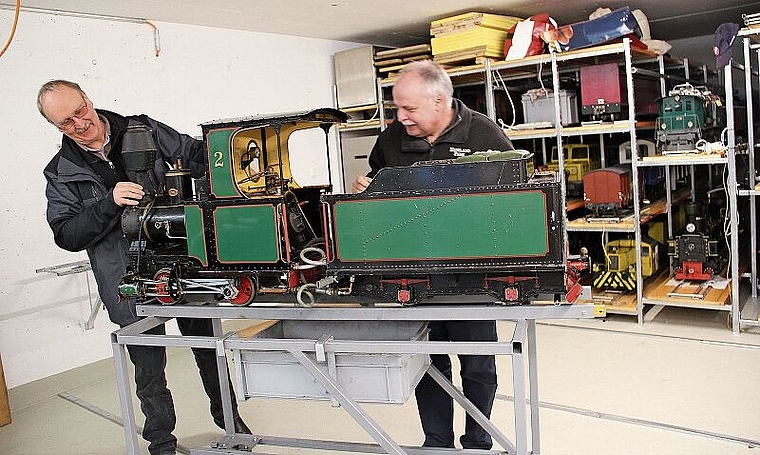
(87, 190)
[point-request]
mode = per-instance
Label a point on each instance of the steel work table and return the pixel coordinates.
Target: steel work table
(521, 347)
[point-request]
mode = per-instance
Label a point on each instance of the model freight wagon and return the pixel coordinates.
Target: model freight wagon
(608, 192)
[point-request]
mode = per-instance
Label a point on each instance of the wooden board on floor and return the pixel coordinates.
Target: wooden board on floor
(5, 406)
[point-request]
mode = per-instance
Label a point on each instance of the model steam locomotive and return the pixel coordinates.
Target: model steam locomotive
(479, 225)
(699, 252)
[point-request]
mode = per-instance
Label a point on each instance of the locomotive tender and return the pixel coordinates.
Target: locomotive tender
(479, 226)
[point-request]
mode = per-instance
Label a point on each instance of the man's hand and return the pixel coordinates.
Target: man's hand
(360, 184)
(127, 193)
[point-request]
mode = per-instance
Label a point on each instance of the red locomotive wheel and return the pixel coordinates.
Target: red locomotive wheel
(246, 291)
(163, 288)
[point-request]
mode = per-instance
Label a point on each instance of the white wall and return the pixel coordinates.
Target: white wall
(201, 74)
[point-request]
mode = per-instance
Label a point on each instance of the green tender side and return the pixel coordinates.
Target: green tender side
(196, 242)
(450, 227)
(246, 233)
(219, 162)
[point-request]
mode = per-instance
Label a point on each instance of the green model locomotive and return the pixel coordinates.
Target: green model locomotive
(481, 226)
(687, 115)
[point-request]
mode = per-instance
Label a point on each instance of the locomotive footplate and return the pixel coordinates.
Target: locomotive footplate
(505, 289)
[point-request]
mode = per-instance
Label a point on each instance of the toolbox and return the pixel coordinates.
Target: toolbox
(372, 377)
(540, 108)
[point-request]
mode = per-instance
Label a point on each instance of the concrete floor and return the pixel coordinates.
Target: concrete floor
(680, 384)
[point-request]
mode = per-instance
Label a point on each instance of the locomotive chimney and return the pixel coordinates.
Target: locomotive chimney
(139, 153)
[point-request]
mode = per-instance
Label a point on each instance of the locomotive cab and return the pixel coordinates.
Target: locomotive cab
(254, 161)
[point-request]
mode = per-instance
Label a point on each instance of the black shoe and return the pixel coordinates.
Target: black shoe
(240, 426)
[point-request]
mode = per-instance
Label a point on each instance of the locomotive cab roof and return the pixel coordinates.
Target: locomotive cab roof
(302, 119)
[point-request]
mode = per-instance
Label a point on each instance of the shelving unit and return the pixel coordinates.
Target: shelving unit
(750, 314)
(669, 71)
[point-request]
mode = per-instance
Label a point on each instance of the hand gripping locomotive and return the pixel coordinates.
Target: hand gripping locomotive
(480, 226)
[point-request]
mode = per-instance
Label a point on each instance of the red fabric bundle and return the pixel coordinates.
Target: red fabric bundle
(524, 38)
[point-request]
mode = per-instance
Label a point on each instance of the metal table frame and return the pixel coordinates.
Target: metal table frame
(521, 347)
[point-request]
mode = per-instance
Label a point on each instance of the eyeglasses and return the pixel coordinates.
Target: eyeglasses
(79, 114)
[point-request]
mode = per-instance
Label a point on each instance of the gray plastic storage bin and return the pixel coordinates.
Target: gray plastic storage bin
(541, 109)
(365, 377)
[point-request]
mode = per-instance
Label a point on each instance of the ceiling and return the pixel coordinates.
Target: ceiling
(395, 23)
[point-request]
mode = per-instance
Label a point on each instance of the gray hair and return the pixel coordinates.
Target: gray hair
(435, 78)
(52, 86)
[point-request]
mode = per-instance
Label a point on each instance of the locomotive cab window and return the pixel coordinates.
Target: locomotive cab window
(264, 157)
(308, 157)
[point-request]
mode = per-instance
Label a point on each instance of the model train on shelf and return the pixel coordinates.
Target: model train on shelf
(700, 252)
(608, 192)
(477, 226)
(618, 272)
(577, 161)
(687, 116)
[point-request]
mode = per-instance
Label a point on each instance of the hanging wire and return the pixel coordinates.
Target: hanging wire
(362, 122)
(727, 222)
(13, 29)
(156, 37)
(55, 12)
(509, 97)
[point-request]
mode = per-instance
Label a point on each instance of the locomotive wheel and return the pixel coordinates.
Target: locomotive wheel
(246, 287)
(164, 287)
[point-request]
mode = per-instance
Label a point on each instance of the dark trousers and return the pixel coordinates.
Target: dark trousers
(154, 395)
(478, 374)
